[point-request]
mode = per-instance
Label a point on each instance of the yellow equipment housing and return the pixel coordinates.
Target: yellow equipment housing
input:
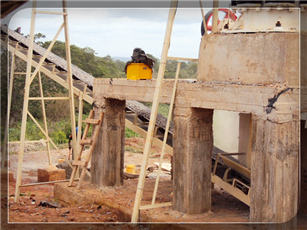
(138, 71)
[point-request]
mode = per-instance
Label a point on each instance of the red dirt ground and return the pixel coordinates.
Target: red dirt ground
(224, 207)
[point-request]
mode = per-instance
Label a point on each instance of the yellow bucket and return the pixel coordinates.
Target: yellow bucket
(130, 169)
(138, 71)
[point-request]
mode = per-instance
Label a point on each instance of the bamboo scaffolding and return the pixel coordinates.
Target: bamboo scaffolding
(25, 105)
(154, 110)
(44, 116)
(166, 132)
(30, 77)
(70, 83)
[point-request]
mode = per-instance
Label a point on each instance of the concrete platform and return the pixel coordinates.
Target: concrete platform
(224, 207)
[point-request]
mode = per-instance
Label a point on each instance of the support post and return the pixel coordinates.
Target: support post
(193, 144)
(44, 117)
(108, 157)
(274, 171)
(154, 110)
(25, 105)
(70, 83)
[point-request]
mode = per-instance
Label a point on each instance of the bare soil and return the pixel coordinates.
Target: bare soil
(224, 207)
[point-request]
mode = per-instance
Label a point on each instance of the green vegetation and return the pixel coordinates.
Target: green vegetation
(58, 111)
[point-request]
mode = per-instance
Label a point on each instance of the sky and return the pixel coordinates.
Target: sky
(116, 32)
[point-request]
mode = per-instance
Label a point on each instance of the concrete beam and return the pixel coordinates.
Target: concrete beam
(231, 97)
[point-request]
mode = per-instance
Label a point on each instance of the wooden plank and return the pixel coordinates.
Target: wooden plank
(51, 75)
(169, 117)
(80, 150)
(25, 106)
(236, 166)
(151, 206)
(231, 97)
(154, 111)
(86, 141)
(91, 150)
(91, 121)
(44, 183)
(237, 193)
(44, 116)
(77, 163)
(70, 82)
(182, 59)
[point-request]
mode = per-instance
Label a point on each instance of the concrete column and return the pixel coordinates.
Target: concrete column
(193, 143)
(274, 170)
(108, 158)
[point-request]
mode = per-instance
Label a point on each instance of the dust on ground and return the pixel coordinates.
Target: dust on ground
(28, 209)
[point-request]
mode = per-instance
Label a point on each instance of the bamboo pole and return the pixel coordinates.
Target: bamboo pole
(88, 157)
(48, 98)
(44, 116)
(154, 110)
(215, 16)
(166, 132)
(70, 83)
(74, 171)
(42, 59)
(80, 117)
(203, 16)
(42, 130)
(49, 12)
(11, 83)
(11, 80)
(182, 59)
(25, 105)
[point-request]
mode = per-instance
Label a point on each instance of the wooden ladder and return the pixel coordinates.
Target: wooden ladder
(86, 141)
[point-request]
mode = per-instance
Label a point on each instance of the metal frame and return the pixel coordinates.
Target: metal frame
(28, 80)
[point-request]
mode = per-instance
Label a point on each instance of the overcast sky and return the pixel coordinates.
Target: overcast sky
(117, 32)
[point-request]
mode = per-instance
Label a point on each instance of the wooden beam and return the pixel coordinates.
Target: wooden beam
(51, 75)
(44, 183)
(48, 98)
(42, 59)
(182, 59)
(151, 206)
(25, 105)
(154, 110)
(42, 130)
(48, 12)
(44, 116)
(70, 82)
(230, 97)
(169, 117)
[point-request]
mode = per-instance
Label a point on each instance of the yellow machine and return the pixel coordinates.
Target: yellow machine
(138, 71)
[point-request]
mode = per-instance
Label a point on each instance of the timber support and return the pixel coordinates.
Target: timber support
(108, 158)
(193, 143)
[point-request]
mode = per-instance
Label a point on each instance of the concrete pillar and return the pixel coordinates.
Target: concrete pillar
(193, 143)
(274, 170)
(244, 141)
(108, 158)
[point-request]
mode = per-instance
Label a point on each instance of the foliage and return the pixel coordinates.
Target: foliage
(58, 111)
(129, 133)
